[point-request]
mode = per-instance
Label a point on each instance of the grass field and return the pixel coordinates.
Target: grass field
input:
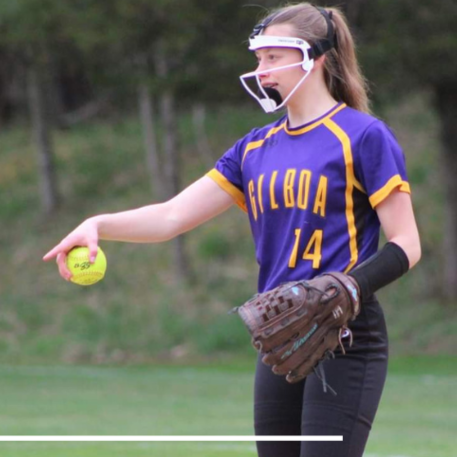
(417, 417)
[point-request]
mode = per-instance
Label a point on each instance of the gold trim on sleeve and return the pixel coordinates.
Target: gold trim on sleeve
(226, 185)
(394, 182)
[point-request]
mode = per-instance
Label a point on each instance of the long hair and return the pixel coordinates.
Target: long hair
(342, 74)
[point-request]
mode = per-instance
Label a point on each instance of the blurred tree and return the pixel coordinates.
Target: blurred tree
(215, 60)
(154, 48)
(406, 46)
(43, 140)
(7, 86)
(137, 47)
(409, 45)
(171, 56)
(33, 31)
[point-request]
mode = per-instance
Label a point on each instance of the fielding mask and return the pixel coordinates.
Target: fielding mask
(270, 99)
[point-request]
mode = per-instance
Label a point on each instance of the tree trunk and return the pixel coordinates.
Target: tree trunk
(446, 102)
(171, 171)
(201, 139)
(169, 130)
(150, 142)
(42, 137)
(171, 157)
(54, 103)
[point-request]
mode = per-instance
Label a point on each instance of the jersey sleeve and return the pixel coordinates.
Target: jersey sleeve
(380, 163)
(227, 173)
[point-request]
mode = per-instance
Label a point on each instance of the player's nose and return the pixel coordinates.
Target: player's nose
(261, 66)
(263, 72)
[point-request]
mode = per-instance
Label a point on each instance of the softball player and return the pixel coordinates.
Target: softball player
(317, 185)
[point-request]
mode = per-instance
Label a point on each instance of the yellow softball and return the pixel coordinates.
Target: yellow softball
(83, 272)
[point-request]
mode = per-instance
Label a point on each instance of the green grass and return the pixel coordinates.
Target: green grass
(142, 449)
(134, 401)
(417, 415)
(416, 418)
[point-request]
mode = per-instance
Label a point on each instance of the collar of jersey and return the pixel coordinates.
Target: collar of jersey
(313, 124)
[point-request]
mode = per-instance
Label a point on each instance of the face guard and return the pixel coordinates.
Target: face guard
(270, 99)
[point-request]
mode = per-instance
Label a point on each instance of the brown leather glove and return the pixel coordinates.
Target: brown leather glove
(298, 324)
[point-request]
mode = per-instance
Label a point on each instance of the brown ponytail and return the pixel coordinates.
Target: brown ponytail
(343, 77)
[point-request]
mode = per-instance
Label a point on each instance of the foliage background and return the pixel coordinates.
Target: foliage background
(99, 53)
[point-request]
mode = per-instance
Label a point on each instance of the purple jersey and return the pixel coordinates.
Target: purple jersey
(310, 191)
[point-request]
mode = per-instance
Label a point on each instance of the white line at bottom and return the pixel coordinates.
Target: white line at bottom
(172, 438)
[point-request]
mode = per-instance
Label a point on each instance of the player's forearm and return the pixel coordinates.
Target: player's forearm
(149, 224)
(411, 245)
(197, 204)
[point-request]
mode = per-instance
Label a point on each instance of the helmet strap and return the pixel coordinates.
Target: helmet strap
(329, 42)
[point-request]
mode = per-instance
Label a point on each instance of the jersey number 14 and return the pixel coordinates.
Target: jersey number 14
(313, 250)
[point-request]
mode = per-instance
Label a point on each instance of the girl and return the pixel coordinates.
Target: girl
(318, 184)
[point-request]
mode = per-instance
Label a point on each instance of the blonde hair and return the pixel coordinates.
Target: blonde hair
(342, 74)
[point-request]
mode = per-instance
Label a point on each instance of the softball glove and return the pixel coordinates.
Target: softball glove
(298, 324)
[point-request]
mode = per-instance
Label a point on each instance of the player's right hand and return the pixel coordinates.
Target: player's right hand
(85, 234)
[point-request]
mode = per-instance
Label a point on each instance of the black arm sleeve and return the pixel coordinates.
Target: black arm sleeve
(381, 269)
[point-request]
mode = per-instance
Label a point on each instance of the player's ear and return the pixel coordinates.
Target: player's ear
(319, 62)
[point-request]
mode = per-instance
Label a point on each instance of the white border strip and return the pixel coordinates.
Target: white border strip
(172, 438)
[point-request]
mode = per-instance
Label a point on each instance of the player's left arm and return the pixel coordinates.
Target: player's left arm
(401, 252)
(399, 224)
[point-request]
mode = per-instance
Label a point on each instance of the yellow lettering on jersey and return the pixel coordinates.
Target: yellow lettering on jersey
(313, 251)
(293, 256)
(252, 198)
(289, 180)
(273, 203)
(321, 197)
(259, 192)
(303, 189)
